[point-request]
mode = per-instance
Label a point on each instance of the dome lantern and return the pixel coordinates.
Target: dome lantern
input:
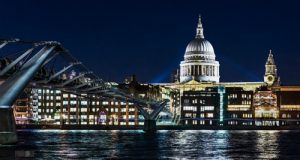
(199, 31)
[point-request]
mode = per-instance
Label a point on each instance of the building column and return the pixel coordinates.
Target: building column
(199, 70)
(88, 110)
(186, 70)
(107, 116)
(62, 119)
(193, 70)
(119, 112)
(136, 116)
(127, 112)
(93, 111)
(68, 108)
(207, 70)
(77, 111)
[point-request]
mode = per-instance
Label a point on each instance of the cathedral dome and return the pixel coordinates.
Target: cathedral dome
(199, 49)
(199, 46)
(199, 60)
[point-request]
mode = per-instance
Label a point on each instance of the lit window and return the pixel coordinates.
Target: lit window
(73, 102)
(104, 103)
(131, 109)
(202, 122)
(210, 115)
(202, 115)
(83, 109)
(83, 103)
(65, 102)
(194, 122)
(188, 115)
(72, 109)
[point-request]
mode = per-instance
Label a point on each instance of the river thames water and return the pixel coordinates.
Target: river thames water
(59, 144)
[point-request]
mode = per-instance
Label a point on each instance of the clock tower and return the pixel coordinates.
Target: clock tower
(270, 76)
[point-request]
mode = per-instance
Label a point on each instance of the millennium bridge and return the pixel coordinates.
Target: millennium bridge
(27, 68)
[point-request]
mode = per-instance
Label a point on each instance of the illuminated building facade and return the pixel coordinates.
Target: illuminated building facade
(288, 100)
(59, 108)
(200, 107)
(55, 107)
(22, 111)
(197, 98)
(240, 103)
(239, 110)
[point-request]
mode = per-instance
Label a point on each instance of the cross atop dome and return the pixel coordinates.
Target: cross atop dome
(199, 31)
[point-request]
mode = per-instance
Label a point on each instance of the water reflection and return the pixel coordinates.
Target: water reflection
(267, 144)
(163, 144)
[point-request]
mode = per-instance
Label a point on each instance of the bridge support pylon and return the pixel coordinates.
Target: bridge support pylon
(149, 125)
(8, 133)
(11, 88)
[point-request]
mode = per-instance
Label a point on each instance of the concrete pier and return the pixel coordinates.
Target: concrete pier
(8, 133)
(149, 125)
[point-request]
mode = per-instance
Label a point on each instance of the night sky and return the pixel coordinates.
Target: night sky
(118, 38)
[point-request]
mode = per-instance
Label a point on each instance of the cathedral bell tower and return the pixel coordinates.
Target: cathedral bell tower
(270, 76)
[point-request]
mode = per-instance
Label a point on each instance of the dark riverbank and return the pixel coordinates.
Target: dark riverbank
(159, 127)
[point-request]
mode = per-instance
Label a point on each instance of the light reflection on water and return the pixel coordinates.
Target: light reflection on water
(49, 144)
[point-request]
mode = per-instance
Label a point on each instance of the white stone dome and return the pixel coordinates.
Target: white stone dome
(199, 46)
(199, 49)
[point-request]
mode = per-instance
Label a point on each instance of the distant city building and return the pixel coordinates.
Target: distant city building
(206, 101)
(200, 107)
(197, 97)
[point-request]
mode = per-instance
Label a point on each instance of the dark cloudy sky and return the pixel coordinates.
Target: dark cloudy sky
(148, 38)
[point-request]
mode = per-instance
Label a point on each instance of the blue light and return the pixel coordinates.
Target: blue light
(221, 91)
(239, 68)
